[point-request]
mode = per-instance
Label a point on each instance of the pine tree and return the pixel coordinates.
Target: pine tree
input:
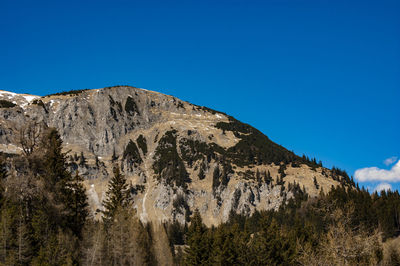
(267, 177)
(281, 170)
(77, 205)
(198, 250)
(225, 246)
(258, 177)
(117, 195)
(271, 247)
(114, 156)
(82, 160)
(216, 178)
(56, 175)
(201, 173)
(3, 175)
(3, 171)
(316, 183)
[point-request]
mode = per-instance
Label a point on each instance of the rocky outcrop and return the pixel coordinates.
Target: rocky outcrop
(177, 156)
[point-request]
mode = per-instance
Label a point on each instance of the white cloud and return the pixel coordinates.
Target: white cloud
(383, 186)
(377, 174)
(390, 160)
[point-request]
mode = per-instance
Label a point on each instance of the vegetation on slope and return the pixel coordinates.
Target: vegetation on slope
(6, 104)
(130, 106)
(256, 148)
(67, 93)
(168, 165)
(142, 143)
(44, 221)
(131, 154)
(344, 227)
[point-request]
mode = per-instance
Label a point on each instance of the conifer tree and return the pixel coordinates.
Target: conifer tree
(117, 195)
(216, 178)
(82, 160)
(77, 205)
(55, 173)
(271, 247)
(225, 246)
(114, 156)
(3, 175)
(267, 177)
(258, 177)
(198, 250)
(316, 183)
(3, 171)
(69, 193)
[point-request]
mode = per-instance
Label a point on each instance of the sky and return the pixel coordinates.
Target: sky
(321, 78)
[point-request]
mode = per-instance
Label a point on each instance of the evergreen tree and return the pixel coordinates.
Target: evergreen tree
(69, 193)
(316, 183)
(198, 250)
(271, 247)
(55, 173)
(82, 160)
(114, 156)
(201, 173)
(3, 171)
(3, 175)
(258, 177)
(267, 177)
(281, 170)
(216, 178)
(224, 247)
(117, 195)
(77, 205)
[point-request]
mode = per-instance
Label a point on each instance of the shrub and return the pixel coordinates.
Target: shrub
(6, 104)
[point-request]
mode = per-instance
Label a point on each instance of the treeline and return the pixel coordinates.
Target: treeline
(45, 217)
(66, 93)
(45, 220)
(347, 226)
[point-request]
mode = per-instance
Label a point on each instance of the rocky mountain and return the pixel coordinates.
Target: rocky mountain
(177, 156)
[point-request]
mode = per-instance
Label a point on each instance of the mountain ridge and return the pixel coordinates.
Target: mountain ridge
(177, 156)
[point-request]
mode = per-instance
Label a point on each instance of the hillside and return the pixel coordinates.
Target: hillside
(177, 156)
(126, 176)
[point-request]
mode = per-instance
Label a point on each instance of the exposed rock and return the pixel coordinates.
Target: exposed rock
(170, 151)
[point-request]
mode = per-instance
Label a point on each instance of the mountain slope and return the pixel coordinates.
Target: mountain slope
(177, 156)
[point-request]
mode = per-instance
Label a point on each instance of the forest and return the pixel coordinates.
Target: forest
(45, 220)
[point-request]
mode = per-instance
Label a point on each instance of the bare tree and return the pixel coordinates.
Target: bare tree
(28, 136)
(343, 245)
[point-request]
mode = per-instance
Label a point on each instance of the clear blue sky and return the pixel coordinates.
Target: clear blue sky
(318, 77)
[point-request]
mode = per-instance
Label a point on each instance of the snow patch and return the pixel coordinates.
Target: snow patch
(19, 99)
(29, 98)
(3, 93)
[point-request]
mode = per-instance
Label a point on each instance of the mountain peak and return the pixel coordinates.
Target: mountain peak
(177, 156)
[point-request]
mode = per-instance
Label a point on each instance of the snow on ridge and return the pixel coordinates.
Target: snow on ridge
(13, 94)
(29, 98)
(7, 94)
(19, 99)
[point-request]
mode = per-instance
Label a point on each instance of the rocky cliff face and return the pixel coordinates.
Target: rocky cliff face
(177, 156)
